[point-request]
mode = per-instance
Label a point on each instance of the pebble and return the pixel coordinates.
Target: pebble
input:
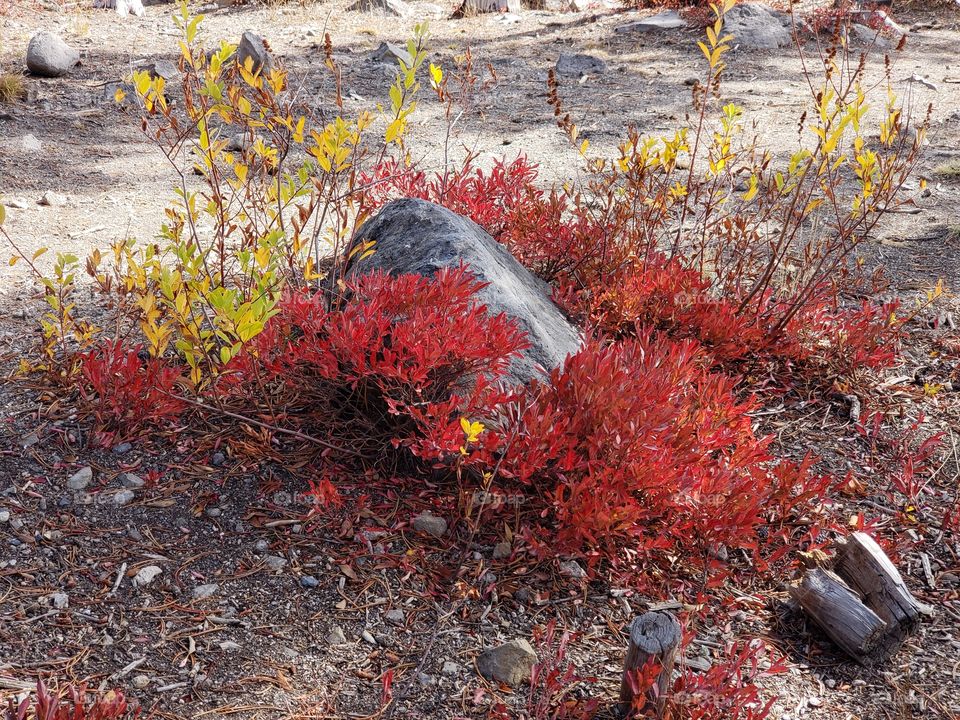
(131, 481)
(122, 449)
(430, 524)
(229, 646)
(60, 601)
(394, 617)
(146, 575)
(309, 581)
(450, 668)
(275, 562)
(572, 569)
(218, 459)
(949, 579)
(4, 516)
(123, 497)
(31, 144)
(213, 512)
(52, 199)
(426, 680)
(368, 638)
(80, 479)
(814, 702)
(141, 681)
(502, 550)
(202, 592)
(336, 636)
(261, 546)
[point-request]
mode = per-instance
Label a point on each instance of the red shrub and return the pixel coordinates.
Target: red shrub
(72, 705)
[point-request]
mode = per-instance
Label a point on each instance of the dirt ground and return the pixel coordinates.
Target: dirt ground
(260, 645)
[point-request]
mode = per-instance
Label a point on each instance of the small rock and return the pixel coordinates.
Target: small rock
(755, 26)
(161, 69)
(213, 512)
(275, 562)
(253, 49)
(124, 497)
(814, 702)
(49, 56)
(450, 668)
(510, 663)
(830, 683)
(390, 53)
(502, 550)
(229, 646)
(60, 601)
(668, 20)
(80, 479)
(52, 199)
(30, 144)
(122, 449)
(218, 459)
(578, 64)
(394, 616)
(132, 482)
(949, 579)
(22, 204)
(368, 638)
(4, 516)
(146, 575)
(261, 546)
(141, 681)
(336, 636)
(202, 592)
(309, 581)
(396, 8)
(430, 524)
(426, 680)
(16, 524)
(572, 569)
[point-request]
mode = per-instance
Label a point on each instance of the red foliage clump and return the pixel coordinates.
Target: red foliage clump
(72, 705)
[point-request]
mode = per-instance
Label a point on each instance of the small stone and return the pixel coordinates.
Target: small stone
(122, 449)
(368, 638)
(572, 569)
(16, 524)
(213, 512)
(755, 26)
(141, 681)
(579, 64)
(60, 601)
(450, 668)
(390, 53)
(49, 56)
(208, 590)
(124, 497)
(830, 683)
(502, 550)
(275, 562)
(814, 702)
(146, 575)
(253, 51)
(229, 646)
(949, 579)
(336, 636)
(509, 663)
(80, 479)
(396, 8)
(30, 439)
(430, 524)
(218, 459)
(394, 616)
(426, 680)
(30, 144)
(52, 199)
(161, 69)
(4, 516)
(132, 482)
(22, 204)
(668, 20)
(261, 546)
(309, 581)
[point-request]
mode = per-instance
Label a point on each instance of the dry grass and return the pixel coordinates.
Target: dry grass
(13, 87)
(949, 170)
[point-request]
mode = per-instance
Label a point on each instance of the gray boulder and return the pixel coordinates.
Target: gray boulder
(510, 663)
(578, 64)
(49, 56)
(253, 47)
(755, 26)
(397, 8)
(416, 236)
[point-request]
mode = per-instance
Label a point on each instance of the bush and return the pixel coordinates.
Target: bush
(72, 704)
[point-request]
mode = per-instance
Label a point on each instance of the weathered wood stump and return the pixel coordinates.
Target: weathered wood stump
(654, 637)
(863, 605)
(472, 8)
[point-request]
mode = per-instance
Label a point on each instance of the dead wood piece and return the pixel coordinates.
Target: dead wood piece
(472, 8)
(839, 611)
(867, 569)
(654, 636)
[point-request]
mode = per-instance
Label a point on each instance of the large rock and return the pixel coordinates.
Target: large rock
(510, 663)
(253, 48)
(416, 236)
(49, 56)
(396, 8)
(756, 26)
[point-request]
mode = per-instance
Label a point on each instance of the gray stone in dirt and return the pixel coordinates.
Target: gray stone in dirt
(450, 668)
(202, 592)
(253, 47)
(275, 562)
(4, 516)
(22, 204)
(309, 581)
(80, 479)
(52, 199)
(948, 579)
(579, 64)
(261, 546)
(368, 638)
(572, 569)
(122, 7)
(123, 497)
(161, 69)
(396, 8)
(667, 20)
(122, 448)
(132, 481)
(416, 236)
(141, 681)
(430, 524)
(390, 53)
(336, 636)
(146, 575)
(502, 550)
(394, 616)
(755, 26)
(510, 663)
(218, 459)
(426, 680)
(49, 56)
(229, 646)
(29, 143)
(60, 601)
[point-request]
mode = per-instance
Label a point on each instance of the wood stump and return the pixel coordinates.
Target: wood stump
(863, 605)
(654, 636)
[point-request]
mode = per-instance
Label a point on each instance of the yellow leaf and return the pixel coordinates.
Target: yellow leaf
(3, 214)
(13, 260)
